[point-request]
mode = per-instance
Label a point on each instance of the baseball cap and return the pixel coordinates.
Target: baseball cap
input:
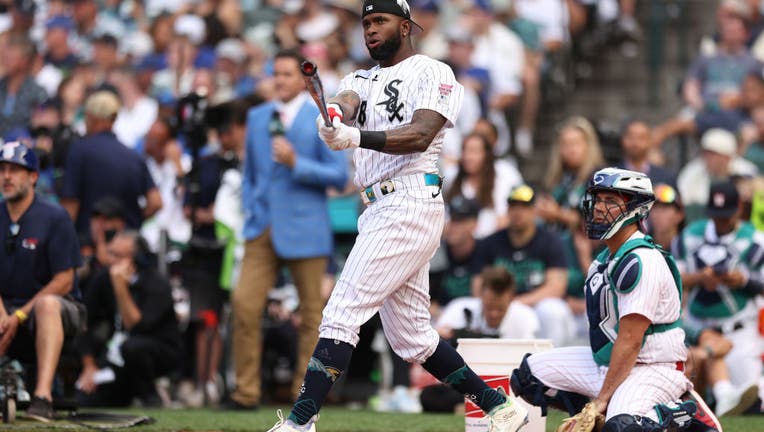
(394, 7)
(461, 208)
(191, 26)
(109, 207)
(102, 104)
(719, 141)
(723, 200)
(232, 49)
(60, 22)
(666, 194)
(522, 194)
(106, 39)
(16, 153)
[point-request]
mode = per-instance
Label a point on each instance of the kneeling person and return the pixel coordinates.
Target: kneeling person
(633, 369)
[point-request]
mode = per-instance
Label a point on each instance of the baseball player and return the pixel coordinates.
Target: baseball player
(394, 115)
(633, 370)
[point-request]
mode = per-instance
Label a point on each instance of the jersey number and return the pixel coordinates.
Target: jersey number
(362, 114)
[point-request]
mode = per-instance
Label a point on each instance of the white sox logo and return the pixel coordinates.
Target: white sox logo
(391, 104)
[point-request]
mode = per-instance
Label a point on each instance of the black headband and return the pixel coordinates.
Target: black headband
(394, 7)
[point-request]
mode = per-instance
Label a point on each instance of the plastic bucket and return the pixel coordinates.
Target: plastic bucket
(493, 360)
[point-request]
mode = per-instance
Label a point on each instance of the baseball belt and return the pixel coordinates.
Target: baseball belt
(385, 187)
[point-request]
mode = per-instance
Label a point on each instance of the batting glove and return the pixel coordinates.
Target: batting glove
(341, 136)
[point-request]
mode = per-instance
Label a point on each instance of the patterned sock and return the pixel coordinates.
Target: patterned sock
(448, 366)
(330, 358)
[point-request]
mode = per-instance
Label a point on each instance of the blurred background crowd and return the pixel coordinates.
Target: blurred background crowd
(138, 114)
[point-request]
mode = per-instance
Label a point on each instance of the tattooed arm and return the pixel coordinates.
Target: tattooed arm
(416, 136)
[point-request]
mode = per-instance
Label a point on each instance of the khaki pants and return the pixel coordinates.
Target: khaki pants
(258, 275)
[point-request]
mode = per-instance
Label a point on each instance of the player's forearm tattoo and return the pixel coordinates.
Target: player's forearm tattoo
(349, 101)
(416, 136)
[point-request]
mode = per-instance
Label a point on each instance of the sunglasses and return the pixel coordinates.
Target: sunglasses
(10, 241)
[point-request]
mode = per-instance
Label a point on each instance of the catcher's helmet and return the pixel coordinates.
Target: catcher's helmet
(17, 153)
(637, 191)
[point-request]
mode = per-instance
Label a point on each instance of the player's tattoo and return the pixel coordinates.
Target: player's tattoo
(416, 136)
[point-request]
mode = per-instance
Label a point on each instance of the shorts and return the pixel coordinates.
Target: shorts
(73, 318)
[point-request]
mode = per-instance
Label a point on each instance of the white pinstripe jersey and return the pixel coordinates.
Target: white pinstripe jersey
(389, 96)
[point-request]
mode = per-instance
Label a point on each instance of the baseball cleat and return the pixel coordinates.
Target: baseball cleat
(286, 425)
(703, 414)
(507, 417)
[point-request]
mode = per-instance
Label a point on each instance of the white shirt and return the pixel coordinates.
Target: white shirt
(289, 110)
(389, 97)
(520, 321)
(133, 124)
(694, 182)
(501, 52)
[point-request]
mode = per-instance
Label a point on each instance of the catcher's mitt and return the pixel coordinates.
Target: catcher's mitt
(588, 420)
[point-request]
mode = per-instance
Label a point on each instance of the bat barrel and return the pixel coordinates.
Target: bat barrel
(308, 68)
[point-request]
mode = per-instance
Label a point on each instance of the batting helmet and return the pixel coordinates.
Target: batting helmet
(17, 153)
(637, 191)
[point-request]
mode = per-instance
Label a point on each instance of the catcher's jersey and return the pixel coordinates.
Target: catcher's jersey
(389, 96)
(644, 285)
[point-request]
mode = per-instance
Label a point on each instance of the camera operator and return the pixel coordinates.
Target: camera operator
(721, 260)
(202, 262)
(37, 280)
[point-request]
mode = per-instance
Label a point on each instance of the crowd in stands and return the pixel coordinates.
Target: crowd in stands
(145, 118)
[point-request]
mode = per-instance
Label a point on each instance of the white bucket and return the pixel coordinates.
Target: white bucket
(493, 360)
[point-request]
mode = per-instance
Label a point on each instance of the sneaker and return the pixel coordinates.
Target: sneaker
(41, 409)
(737, 403)
(286, 425)
(703, 414)
(507, 417)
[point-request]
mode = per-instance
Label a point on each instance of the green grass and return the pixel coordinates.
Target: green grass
(333, 419)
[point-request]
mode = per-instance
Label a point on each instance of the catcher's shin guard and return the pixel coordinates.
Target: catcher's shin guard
(533, 391)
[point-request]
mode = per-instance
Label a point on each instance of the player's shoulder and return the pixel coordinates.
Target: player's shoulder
(53, 213)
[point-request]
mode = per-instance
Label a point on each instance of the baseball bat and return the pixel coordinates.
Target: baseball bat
(315, 88)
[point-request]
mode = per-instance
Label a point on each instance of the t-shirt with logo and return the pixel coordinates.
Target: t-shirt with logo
(45, 244)
(527, 263)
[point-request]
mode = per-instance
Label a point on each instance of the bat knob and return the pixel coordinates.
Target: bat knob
(308, 68)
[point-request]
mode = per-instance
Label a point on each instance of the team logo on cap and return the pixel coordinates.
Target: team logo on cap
(404, 6)
(369, 8)
(9, 149)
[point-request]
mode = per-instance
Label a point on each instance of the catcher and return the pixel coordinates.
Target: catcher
(631, 377)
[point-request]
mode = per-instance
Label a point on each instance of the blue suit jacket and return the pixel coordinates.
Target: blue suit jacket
(292, 202)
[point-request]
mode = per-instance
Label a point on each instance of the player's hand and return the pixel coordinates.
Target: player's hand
(341, 136)
(283, 152)
(10, 325)
(334, 110)
(734, 278)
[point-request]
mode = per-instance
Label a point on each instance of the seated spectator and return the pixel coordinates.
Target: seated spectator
(458, 249)
(18, 90)
(723, 274)
(636, 147)
(712, 88)
(494, 313)
(138, 111)
(709, 370)
(754, 150)
(718, 161)
(58, 53)
(477, 179)
(532, 254)
(666, 219)
(132, 328)
(39, 309)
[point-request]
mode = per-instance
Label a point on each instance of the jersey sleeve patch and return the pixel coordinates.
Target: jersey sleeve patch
(626, 276)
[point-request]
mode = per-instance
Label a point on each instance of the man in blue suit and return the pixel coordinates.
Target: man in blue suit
(287, 170)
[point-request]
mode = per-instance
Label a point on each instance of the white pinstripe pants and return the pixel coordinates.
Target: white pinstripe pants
(573, 369)
(388, 271)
